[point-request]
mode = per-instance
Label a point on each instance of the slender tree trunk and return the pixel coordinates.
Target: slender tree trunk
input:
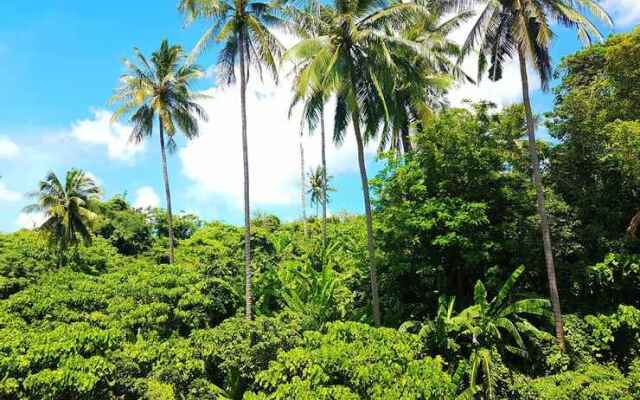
(167, 192)
(406, 140)
(323, 146)
(248, 289)
(302, 191)
(375, 299)
(544, 222)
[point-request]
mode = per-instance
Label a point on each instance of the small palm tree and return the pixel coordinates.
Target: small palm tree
(243, 26)
(66, 209)
(160, 88)
(319, 188)
(522, 29)
(355, 59)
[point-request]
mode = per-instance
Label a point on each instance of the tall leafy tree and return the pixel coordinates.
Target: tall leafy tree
(243, 27)
(355, 59)
(66, 208)
(160, 88)
(522, 28)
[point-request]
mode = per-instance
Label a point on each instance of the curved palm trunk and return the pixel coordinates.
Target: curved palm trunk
(375, 299)
(248, 289)
(324, 178)
(544, 222)
(302, 191)
(167, 191)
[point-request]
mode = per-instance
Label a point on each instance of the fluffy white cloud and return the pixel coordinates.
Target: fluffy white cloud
(213, 161)
(8, 195)
(146, 197)
(30, 220)
(625, 13)
(100, 131)
(507, 90)
(8, 148)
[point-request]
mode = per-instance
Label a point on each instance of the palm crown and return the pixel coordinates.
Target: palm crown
(355, 56)
(66, 207)
(235, 22)
(160, 87)
(422, 81)
(504, 26)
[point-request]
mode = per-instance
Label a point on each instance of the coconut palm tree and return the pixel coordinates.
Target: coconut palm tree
(66, 209)
(159, 88)
(355, 60)
(301, 24)
(422, 82)
(303, 190)
(522, 28)
(243, 27)
(318, 187)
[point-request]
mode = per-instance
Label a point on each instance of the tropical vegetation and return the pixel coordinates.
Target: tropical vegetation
(447, 287)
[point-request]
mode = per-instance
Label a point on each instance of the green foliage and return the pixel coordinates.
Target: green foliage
(616, 280)
(24, 255)
(238, 349)
(594, 167)
(353, 361)
(454, 210)
(125, 228)
(485, 332)
(591, 382)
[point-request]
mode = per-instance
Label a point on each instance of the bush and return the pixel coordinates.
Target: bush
(592, 382)
(352, 361)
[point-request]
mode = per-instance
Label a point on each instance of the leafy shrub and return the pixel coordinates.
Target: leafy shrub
(616, 337)
(352, 361)
(24, 255)
(616, 280)
(589, 383)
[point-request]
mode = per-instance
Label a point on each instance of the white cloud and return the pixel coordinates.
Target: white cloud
(100, 131)
(625, 13)
(8, 148)
(146, 197)
(213, 161)
(506, 91)
(30, 220)
(8, 195)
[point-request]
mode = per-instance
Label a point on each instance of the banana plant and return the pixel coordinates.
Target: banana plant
(495, 327)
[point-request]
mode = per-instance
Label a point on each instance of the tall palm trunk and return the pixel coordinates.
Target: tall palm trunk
(406, 140)
(167, 192)
(302, 191)
(544, 222)
(375, 299)
(248, 285)
(323, 146)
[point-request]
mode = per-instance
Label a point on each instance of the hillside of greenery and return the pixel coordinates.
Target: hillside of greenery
(463, 289)
(117, 321)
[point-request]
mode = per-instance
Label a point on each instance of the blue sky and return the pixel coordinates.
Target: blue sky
(59, 63)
